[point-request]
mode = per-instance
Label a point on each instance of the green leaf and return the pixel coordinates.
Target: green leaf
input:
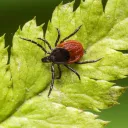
(41, 113)
(6, 102)
(25, 81)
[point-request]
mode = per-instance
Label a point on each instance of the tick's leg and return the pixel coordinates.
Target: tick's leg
(72, 70)
(58, 37)
(88, 61)
(45, 41)
(71, 34)
(32, 41)
(60, 72)
(53, 77)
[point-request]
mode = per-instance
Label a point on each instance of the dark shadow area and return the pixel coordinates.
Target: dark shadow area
(123, 51)
(121, 82)
(104, 2)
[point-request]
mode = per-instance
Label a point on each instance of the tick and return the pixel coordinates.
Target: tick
(66, 52)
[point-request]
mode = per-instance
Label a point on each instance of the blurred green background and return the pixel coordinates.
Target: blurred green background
(16, 12)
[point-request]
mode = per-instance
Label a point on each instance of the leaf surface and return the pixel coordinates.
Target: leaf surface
(25, 81)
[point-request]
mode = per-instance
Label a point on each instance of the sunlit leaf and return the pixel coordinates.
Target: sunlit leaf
(25, 81)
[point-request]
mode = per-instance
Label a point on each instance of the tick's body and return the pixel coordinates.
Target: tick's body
(66, 52)
(74, 48)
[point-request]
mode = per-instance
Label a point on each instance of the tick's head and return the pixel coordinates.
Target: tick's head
(58, 55)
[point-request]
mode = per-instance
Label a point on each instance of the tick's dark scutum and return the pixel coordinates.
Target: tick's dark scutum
(59, 55)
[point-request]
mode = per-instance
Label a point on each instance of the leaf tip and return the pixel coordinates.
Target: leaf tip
(19, 29)
(3, 36)
(123, 89)
(42, 25)
(34, 18)
(60, 4)
(106, 123)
